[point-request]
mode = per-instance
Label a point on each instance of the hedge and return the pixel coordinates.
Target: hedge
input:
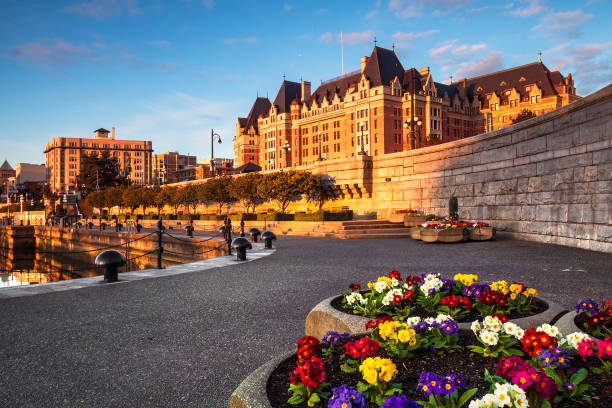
(275, 217)
(324, 216)
(240, 217)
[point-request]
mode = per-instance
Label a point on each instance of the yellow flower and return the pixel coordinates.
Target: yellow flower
(531, 292)
(407, 336)
(386, 330)
(500, 286)
(513, 296)
(466, 279)
(375, 370)
(515, 288)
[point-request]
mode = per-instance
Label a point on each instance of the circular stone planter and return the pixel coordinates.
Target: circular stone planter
(450, 235)
(482, 233)
(251, 393)
(396, 218)
(325, 317)
(414, 221)
(567, 324)
(415, 233)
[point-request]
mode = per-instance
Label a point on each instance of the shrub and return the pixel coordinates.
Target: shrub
(275, 217)
(325, 216)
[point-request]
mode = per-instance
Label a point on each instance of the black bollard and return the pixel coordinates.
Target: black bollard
(138, 227)
(242, 227)
(160, 248)
(268, 236)
(110, 260)
(241, 244)
(254, 233)
(228, 235)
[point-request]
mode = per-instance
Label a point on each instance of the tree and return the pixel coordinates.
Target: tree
(171, 196)
(113, 196)
(524, 115)
(188, 196)
(131, 197)
(244, 189)
(217, 189)
(283, 187)
(49, 194)
(102, 171)
(96, 200)
(319, 189)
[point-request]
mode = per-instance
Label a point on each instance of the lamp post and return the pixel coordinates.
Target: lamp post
(212, 149)
(21, 207)
(287, 149)
(361, 125)
(319, 136)
(412, 122)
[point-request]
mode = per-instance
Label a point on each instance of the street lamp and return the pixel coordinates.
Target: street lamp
(412, 123)
(361, 125)
(320, 157)
(212, 149)
(287, 149)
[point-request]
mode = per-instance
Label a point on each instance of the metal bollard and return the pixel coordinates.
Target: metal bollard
(241, 244)
(268, 236)
(242, 227)
(110, 260)
(254, 233)
(228, 235)
(160, 248)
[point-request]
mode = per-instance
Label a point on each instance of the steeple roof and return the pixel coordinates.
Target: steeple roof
(260, 107)
(287, 92)
(383, 66)
(6, 166)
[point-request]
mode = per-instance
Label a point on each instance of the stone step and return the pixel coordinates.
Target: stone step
(380, 235)
(376, 231)
(368, 222)
(372, 226)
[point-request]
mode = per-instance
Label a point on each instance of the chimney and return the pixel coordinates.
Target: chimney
(113, 136)
(364, 61)
(424, 71)
(305, 90)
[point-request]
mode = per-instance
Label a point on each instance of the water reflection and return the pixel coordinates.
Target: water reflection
(20, 268)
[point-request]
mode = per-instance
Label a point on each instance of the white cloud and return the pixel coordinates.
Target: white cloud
(287, 7)
(49, 52)
(326, 37)
(564, 24)
(101, 9)
(356, 38)
(590, 64)
(245, 40)
(372, 14)
(452, 51)
(160, 43)
(415, 8)
(209, 4)
(534, 7)
(493, 61)
(184, 118)
(406, 39)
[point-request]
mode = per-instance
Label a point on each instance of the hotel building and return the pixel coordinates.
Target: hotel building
(384, 108)
(64, 155)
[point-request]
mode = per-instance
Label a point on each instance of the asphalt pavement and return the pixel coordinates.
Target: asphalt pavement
(188, 340)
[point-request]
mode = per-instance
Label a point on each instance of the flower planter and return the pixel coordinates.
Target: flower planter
(482, 233)
(414, 221)
(415, 233)
(396, 218)
(444, 235)
(325, 317)
(567, 324)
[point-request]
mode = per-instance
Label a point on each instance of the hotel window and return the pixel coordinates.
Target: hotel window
(375, 123)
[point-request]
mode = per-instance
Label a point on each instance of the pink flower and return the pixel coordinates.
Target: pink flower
(546, 388)
(604, 347)
(584, 348)
(521, 378)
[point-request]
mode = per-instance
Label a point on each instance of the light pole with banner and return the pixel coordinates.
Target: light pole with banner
(212, 149)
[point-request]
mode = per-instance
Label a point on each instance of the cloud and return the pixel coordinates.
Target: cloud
(321, 11)
(372, 14)
(415, 8)
(169, 67)
(287, 7)
(451, 52)
(326, 37)
(590, 64)
(160, 43)
(493, 61)
(52, 52)
(209, 4)
(407, 38)
(164, 118)
(245, 40)
(534, 7)
(102, 9)
(356, 38)
(564, 24)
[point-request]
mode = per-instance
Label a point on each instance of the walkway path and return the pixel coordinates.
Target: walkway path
(190, 339)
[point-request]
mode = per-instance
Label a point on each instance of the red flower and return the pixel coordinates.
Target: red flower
(355, 287)
(305, 352)
(362, 348)
(371, 324)
(502, 300)
(395, 274)
(409, 295)
(534, 342)
(310, 373)
(501, 317)
(412, 280)
(597, 319)
(397, 299)
(310, 341)
(546, 388)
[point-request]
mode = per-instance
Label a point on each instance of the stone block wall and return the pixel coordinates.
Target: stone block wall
(547, 179)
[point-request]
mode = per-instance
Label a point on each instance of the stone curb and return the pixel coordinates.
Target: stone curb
(251, 393)
(566, 324)
(325, 317)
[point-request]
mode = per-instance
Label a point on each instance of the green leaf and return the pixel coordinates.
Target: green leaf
(545, 404)
(296, 399)
(550, 371)
(314, 398)
(466, 396)
(579, 376)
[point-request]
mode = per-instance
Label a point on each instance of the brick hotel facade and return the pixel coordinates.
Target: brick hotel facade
(63, 158)
(370, 111)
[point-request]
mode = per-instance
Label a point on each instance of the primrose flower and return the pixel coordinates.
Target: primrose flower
(575, 338)
(552, 331)
(400, 402)
(476, 326)
(355, 297)
(586, 305)
(346, 396)
(584, 349)
(488, 337)
(381, 286)
(466, 279)
(492, 323)
(376, 370)
(413, 321)
(604, 347)
(334, 337)
(500, 286)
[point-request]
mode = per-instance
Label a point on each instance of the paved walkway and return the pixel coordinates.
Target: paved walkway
(190, 339)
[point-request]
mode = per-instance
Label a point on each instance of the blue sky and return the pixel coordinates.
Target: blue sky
(169, 71)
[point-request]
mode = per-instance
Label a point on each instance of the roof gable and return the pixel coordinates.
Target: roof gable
(382, 67)
(287, 93)
(6, 166)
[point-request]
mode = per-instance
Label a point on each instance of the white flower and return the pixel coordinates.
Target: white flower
(430, 320)
(355, 297)
(431, 276)
(394, 282)
(519, 334)
(476, 326)
(397, 292)
(413, 321)
(575, 338)
(387, 299)
(492, 323)
(489, 337)
(442, 317)
(552, 331)
(381, 286)
(433, 283)
(510, 328)
(502, 396)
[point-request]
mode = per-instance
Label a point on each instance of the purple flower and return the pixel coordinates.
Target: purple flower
(447, 284)
(346, 396)
(586, 305)
(419, 327)
(554, 358)
(569, 387)
(400, 402)
(334, 338)
(449, 327)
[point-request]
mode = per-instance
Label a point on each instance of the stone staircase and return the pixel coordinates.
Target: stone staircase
(370, 229)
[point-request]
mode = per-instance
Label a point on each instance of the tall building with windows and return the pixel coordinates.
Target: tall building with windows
(246, 141)
(383, 108)
(63, 158)
(170, 162)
